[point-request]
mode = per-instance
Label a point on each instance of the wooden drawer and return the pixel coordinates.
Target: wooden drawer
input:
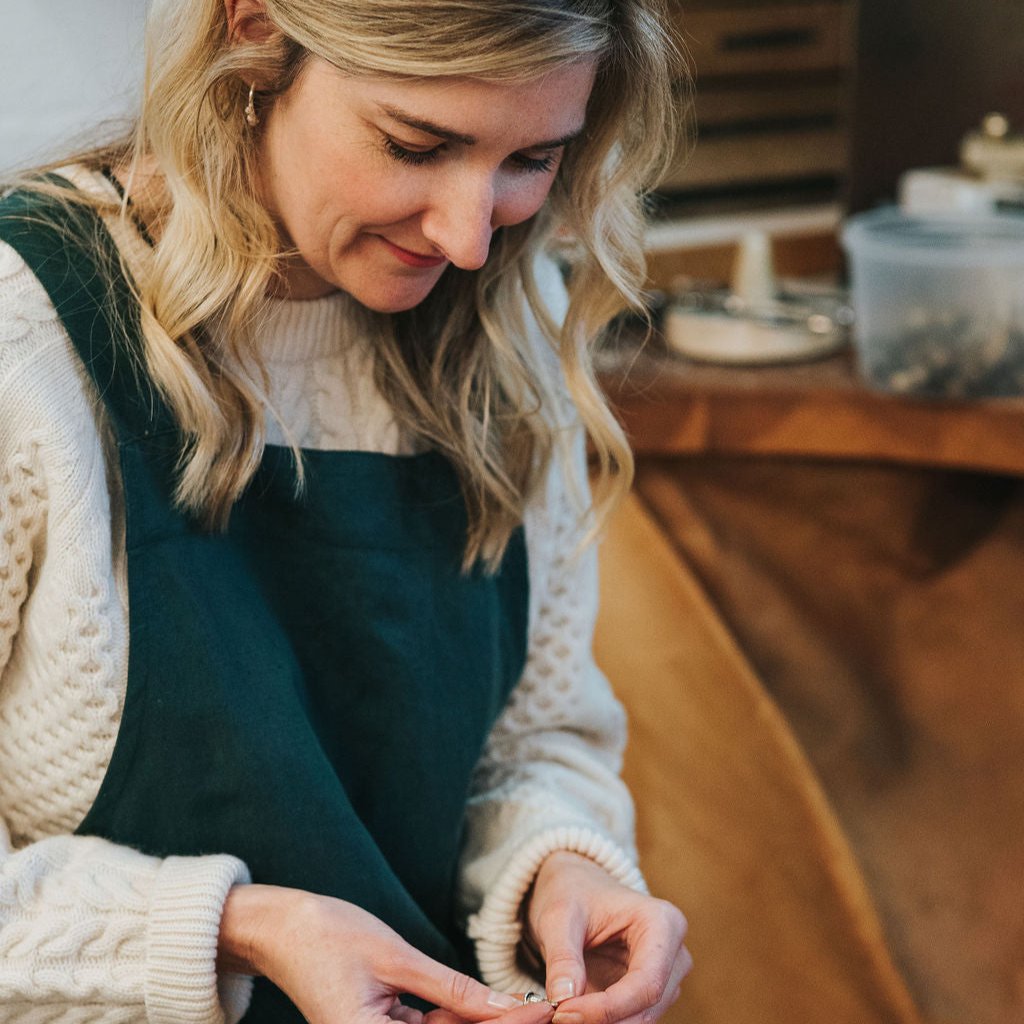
(721, 107)
(759, 157)
(768, 40)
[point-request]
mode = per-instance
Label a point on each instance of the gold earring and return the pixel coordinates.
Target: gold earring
(251, 117)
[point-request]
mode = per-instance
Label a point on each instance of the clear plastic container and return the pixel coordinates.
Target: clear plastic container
(938, 302)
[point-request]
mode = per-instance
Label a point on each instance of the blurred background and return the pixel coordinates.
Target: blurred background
(66, 66)
(807, 111)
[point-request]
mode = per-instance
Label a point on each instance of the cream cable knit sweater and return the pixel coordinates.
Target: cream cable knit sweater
(94, 932)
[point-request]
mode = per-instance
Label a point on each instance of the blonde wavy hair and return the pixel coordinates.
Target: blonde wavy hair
(476, 389)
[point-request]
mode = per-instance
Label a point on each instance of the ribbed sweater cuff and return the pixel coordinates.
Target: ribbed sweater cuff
(496, 928)
(182, 986)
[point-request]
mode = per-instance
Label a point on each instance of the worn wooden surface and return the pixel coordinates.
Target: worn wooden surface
(878, 607)
(811, 609)
(815, 410)
(732, 823)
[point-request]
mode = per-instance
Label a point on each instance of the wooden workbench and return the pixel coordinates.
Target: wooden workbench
(816, 410)
(810, 608)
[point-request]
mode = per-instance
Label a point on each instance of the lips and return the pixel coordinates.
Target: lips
(412, 259)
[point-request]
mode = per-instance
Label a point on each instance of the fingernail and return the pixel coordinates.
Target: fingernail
(501, 1001)
(561, 989)
(567, 1018)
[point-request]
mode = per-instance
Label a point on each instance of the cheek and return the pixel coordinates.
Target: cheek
(340, 202)
(522, 200)
(324, 188)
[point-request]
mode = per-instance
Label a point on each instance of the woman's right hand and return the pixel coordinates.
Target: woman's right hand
(340, 965)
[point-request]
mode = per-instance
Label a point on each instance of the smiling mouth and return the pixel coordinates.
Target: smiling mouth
(411, 258)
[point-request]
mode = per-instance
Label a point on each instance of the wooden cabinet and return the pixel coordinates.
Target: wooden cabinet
(770, 39)
(770, 93)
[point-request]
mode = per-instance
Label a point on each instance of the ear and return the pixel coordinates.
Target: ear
(247, 21)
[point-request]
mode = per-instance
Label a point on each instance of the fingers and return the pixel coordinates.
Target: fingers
(405, 1014)
(463, 996)
(561, 933)
(684, 962)
(534, 1013)
(657, 958)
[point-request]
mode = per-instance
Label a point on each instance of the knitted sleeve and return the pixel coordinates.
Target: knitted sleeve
(549, 777)
(89, 931)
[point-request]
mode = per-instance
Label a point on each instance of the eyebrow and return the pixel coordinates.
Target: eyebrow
(450, 135)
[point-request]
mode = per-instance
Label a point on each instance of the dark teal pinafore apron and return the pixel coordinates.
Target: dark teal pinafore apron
(310, 690)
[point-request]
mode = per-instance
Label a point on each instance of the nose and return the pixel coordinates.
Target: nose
(460, 221)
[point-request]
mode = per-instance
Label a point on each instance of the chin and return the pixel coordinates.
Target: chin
(395, 306)
(394, 299)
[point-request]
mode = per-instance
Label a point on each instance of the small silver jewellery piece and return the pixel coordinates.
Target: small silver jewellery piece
(251, 117)
(533, 997)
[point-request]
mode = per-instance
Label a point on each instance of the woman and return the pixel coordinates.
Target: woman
(296, 672)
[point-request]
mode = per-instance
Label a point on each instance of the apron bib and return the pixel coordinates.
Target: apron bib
(311, 689)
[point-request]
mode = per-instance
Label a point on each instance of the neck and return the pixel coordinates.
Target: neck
(299, 282)
(144, 186)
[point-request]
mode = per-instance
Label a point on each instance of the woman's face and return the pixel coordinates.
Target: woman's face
(380, 183)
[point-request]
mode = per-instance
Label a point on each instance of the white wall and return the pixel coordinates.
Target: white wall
(65, 67)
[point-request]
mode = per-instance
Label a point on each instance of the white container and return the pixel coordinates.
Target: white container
(938, 302)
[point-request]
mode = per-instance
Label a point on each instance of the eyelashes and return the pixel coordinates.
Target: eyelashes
(417, 157)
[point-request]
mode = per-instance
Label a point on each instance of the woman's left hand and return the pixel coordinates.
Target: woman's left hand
(612, 955)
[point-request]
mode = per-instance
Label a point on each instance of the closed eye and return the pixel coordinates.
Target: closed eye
(418, 157)
(410, 156)
(539, 165)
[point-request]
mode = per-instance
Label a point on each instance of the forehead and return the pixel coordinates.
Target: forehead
(548, 105)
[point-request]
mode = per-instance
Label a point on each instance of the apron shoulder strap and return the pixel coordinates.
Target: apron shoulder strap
(69, 249)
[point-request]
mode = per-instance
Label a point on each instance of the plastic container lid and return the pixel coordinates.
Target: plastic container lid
(941, 241)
